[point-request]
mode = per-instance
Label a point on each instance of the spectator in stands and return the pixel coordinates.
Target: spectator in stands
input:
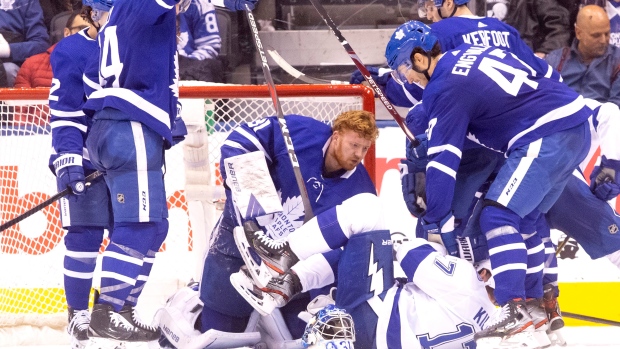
(199, 43)
(36, 70)
(53, 7)
(543, 24)
(590, 65)
(22, 34)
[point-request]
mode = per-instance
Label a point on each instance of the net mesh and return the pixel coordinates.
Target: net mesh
(32, 251)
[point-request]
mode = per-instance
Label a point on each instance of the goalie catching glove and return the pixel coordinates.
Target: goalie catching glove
(605, 179)
(70, 173)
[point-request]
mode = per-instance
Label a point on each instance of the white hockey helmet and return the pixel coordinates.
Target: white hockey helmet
(331, 327)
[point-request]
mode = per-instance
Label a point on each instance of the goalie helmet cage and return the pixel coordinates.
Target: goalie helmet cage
(32, 251)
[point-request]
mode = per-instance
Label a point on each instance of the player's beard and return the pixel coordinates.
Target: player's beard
(346, 162)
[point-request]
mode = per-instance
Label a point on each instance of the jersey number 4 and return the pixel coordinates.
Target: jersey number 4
(493, 69)
(110, 63)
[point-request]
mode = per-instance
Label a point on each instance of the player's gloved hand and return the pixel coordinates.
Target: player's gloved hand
(443, 233)
(179, 131)
(380, 75)
(184, 5)
(239, 5)
(70, 173)
(411, 179)
(605, 179)
(473, 249)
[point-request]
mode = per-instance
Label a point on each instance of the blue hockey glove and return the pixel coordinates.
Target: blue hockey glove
(473, 249)
(418, 155)
(413, 180)
(239, 5)
(380, 75)
(443, 233)
(179, 131)
(70, 173)
(605, 179)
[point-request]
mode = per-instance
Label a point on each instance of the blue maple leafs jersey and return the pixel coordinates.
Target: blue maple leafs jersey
(200, 36)
(492, 98)
(67, 96)
(139, 76)
(311, 139)
(483, 31)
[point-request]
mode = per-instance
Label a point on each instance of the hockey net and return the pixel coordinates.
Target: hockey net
(32, 251)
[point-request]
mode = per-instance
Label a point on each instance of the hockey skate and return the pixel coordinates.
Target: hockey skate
(79, 321)
(552, 309)
(279, 291)
(106, 323)
(264, 256)
(150, 333)
(510, 326)
(539, 318)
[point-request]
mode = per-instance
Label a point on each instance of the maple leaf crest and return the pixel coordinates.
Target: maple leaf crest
(285, 222)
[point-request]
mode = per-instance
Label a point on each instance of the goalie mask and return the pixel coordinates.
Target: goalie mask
(330, 328)
(407, 37)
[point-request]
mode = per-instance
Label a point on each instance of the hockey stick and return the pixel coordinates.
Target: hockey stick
(362, 68)
(283, 127)
(299, 75)
(590, 319)
(89, 179)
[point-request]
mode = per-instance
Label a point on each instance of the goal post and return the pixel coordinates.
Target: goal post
(32, 251)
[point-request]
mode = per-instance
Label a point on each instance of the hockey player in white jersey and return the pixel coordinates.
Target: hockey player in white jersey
(133, 116)
(442, 302)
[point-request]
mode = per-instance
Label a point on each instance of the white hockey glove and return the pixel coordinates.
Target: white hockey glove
(5, 49)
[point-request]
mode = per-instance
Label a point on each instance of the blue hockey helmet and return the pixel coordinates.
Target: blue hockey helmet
(101, 5)
(330, 327)
(406, 37)
(439, 3)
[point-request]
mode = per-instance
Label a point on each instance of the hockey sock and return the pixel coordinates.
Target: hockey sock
(550, 270)
(317, 271)
(147, 263)
(122, 260)
(507, 252)
(332, 228)
(535, 266)
(79, 264)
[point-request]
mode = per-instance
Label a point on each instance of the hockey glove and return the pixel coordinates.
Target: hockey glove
(443, 233)
(473, 249)
(70, 173)
(179, 131)
(239, 5)
(605, 179)
(380, 75)
(412, 180)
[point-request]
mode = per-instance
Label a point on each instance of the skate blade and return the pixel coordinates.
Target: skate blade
(260, 272)
(525, 339)
(259, 300)
(105, 343)
(556, 338)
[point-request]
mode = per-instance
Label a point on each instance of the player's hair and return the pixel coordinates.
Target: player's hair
(71, 18)
(434, 52)
(360, 121)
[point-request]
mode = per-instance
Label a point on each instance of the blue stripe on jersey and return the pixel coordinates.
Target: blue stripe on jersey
(393, 335)
(413, 258)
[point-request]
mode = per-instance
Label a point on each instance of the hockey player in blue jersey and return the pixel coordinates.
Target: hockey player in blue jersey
(459, 87)
(442, 302)
(133, 115)
(86, 212)
(330, 162)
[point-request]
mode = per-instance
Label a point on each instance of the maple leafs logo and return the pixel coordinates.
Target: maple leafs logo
(285, 222)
